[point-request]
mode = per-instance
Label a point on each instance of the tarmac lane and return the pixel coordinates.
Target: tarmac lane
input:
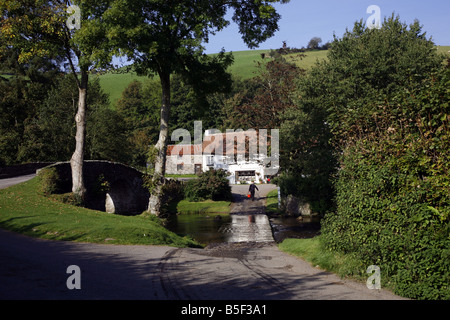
(8, 182)
(37, 269)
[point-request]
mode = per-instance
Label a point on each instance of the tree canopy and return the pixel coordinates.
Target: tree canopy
(166, 37)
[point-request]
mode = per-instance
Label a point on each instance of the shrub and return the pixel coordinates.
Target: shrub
(48, 181)
(393, 210)
(172, 193)
(212, 184)
(386, 96)
(69, 198)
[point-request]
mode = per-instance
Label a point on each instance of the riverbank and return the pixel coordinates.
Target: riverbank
(24, 210)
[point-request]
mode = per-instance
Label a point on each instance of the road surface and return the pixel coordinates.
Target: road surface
(5, 183)
(37, 269)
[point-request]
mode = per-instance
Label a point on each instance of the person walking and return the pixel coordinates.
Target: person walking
(252, 189)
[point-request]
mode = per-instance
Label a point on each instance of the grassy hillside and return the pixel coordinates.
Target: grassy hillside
(244, 66)
(24, 210)
(115, 83)
(444, 49)
(310, 58)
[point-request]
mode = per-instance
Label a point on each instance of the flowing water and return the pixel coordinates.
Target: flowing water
(247, 222)
(242, 227)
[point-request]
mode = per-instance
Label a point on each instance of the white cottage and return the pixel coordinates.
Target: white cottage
(235, 152)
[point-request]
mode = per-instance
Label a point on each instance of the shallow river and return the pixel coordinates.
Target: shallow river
(242, 228)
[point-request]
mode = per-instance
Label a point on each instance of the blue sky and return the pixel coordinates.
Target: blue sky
(303, 19)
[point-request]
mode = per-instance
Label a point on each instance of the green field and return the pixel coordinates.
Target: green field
(444, 49)
(244, 66)
(207, 206)
(115, 83)
(25, 211)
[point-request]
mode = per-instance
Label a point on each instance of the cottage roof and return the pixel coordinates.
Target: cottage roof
(239, 143)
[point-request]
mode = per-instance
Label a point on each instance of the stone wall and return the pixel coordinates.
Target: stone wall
(21, 169)
(125, 194)
(182, 165)
(294, 206)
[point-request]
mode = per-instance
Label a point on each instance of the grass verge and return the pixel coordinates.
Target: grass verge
(208, 206)
(25, 211)
(344, 265)
(313, 251)
(272, 202)
(181, 176)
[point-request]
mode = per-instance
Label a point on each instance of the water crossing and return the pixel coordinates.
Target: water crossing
(248, 228)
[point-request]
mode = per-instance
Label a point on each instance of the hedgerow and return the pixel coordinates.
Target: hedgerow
(386, 95)
(393, 206)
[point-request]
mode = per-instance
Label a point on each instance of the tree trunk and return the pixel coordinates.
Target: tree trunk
(154, 205)
(76, 162)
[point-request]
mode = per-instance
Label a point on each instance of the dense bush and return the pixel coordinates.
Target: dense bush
(172, 193)
(212, 184)
(383, 95)
(393, 192)
(391, 216)
(48, 181)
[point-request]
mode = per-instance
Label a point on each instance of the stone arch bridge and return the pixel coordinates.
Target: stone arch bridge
(122, 191)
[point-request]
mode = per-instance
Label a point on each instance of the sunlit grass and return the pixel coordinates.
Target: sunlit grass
(207, 206)
(25, 211)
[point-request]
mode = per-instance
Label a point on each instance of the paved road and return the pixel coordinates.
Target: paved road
(5, 183)
(37, 269)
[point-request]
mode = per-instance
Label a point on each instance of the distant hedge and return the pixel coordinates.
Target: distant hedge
(212, 184)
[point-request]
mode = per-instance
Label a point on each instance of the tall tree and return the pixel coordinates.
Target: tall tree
(165, 37)
(42, 28)
(314, 43)
(272, 94)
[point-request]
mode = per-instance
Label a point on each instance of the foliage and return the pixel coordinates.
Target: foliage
(307, 159)
(48, 181)
(211, 184)
(368, 143)
(387, 103)
(393, 210)
(106, 136)
(38, 28)
(366, 67)
(21, 96)
(171, 192)
(260, 102)
(165, 38)
(314, 43)
(48, 132)
(139, 106)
